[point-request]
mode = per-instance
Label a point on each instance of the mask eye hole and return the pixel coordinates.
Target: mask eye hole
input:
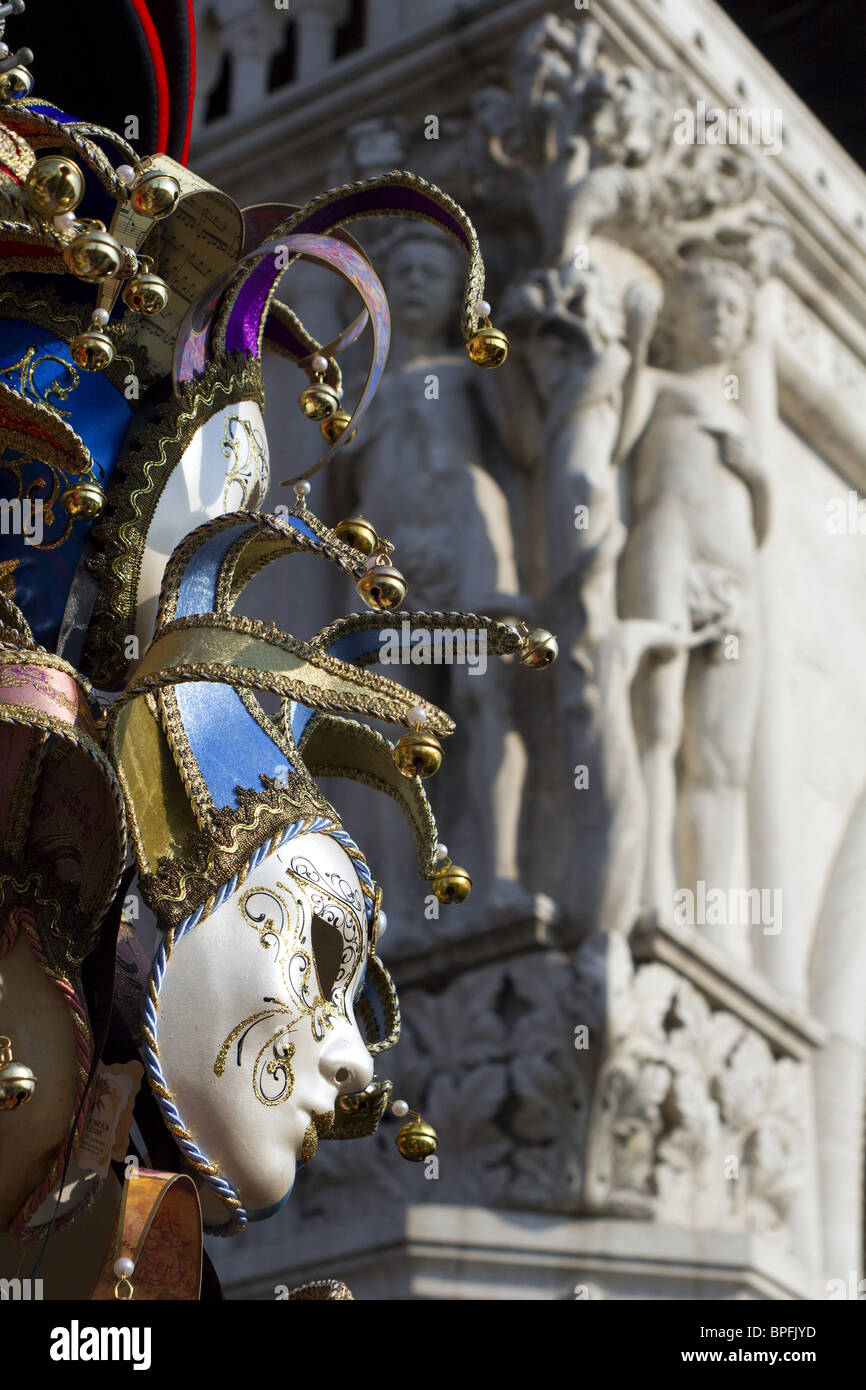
(328, 950)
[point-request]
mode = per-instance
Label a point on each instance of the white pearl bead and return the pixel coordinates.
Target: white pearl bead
(382, 923)
(125, 173)
(64, 221)
(302, 489)
(123, 1267)
(441, 851)
(400, 1108)
(416, 717)
(320, 363)
(100, 317)
(4, 50)
(482, 309)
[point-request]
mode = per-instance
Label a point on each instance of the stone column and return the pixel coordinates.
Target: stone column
(773, 797)
(254, 45)
(316, 21)
(210, 48)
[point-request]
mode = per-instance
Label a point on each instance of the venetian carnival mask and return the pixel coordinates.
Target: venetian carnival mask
(280, 963)
(270, 913)
(131, 410)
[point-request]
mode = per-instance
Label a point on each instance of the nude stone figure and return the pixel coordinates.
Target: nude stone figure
(699, 513)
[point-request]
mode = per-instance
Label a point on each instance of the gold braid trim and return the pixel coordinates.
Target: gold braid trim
(381, 980)
(322, 1290)
(21, 886)
(46, 130)
(16, 157)
(233, 573)
(211, 858)
(14, 624)
(66, 449)
(398, 178)
(177, 1130)
(137, 486)
(502, 638)
(368, 693)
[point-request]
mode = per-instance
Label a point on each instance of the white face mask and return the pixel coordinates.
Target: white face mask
(256, 1030)
(224, 468)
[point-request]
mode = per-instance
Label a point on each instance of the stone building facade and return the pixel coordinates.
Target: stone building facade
(642, 1040)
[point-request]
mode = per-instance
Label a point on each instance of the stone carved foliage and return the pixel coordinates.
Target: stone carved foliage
(451, 1065)
(671, 1113)
(584, 144)
(697, 1124)
(553, 1068)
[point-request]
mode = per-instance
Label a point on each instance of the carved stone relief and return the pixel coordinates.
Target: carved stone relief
(572, 1084)
(606, 485)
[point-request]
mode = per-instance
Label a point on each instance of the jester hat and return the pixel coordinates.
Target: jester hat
(213, 784)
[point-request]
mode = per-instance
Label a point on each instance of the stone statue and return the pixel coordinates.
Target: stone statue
(699, 512)
(424, 462)
(580, 350)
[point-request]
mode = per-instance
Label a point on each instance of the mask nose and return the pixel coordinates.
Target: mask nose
(344, 1060)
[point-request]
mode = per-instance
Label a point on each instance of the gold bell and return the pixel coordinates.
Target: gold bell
(93, 254)
(382, 587)
(92, 350)
(357, 532)
(335, 426)
(451, 884)
(540, 648)
(154, 194)
(319, 401)
(418, 755)
(417, 1140)
(17, 1082)
(15, 84)
(54, 185)
(84, 501)
(488, 347)
(146, 292)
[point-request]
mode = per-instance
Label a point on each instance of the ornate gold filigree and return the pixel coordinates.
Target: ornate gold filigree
(7, 576)
(66, 318)
(300, 977)
(249, 470)
(26, 369)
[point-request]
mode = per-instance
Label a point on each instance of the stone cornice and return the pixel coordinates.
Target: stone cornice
(289, 139)
(546, 1256)
(729, 985)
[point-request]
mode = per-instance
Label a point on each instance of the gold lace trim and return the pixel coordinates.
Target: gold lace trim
(212, 858)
